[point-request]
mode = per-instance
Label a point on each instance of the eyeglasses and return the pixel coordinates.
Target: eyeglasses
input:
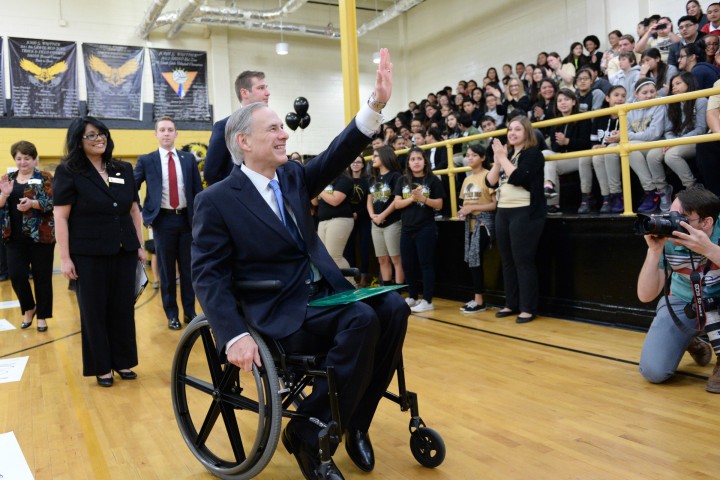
(682, 56)
(685, 26)
(94, 136)
(583, 79)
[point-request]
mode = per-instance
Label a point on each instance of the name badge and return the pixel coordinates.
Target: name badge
(34, 181)
(116, 180)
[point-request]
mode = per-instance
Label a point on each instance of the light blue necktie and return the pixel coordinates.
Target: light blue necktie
(288, 222)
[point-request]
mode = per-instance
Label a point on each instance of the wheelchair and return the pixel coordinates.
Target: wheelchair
(231, 420)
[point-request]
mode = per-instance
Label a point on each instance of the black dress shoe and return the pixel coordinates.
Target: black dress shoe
(308, 460)
(508, 313)
(105, 382)
(525, 319)
(174, 324)
(189, 318)
(127, 375)
(25, 325)
(360, 450)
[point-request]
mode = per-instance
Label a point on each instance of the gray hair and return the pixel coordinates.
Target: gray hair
(240, 123)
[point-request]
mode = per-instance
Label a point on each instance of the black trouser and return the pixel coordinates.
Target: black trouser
(173, 239)
(367, 339)
(25, 256)
(706, 159)
(360, 239)
(3, 260)
(106, 294)
(518, 235)
(478, 273)
(419, 248)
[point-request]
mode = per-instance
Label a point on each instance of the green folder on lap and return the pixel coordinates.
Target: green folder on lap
(352, 296)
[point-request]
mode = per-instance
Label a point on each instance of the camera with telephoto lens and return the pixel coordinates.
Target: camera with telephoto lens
(660, 225)
(709, 305)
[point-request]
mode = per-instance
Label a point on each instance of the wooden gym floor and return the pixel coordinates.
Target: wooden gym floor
(553, 399)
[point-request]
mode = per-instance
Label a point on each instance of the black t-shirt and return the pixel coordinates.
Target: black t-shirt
(417, 214)
(16, 216)
(381, 190)
(326, 211)
(358, 199)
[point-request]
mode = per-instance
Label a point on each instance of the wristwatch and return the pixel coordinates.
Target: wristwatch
(374, 104)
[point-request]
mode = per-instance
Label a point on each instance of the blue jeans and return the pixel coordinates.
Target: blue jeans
(665, 343)
(419, 248)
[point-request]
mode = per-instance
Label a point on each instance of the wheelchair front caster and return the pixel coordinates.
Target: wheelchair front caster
(427, 447)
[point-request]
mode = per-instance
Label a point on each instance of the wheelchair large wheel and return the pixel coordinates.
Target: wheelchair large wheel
(229, 419)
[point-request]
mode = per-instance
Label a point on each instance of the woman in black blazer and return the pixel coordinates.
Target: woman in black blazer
(98, 231)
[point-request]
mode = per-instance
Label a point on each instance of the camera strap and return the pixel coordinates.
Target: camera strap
(696, 281)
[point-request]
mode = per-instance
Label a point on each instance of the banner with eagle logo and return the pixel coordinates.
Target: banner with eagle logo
(180, 84)
(113, 75)
(43, 78)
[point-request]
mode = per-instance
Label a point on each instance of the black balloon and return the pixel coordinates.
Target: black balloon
(304, 121)
(301, 106)
(292, 121)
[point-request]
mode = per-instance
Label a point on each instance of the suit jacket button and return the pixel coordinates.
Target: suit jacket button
(307, 282)
(114, 204)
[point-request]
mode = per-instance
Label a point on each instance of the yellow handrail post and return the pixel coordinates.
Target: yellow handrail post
(451, 180)
(625, 160)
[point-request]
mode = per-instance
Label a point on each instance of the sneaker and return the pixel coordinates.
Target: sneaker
(155, 285)
(713, 385)
(411, 302)
(422, 306)
(550, 192)
(606, 207)
(474, 308)
(617, 205)
(700, 351)
(469, 304)
(554, 210)
(665, 198)
(650, 203)
(584, 204)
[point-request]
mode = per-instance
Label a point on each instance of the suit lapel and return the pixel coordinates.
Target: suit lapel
(98, 181)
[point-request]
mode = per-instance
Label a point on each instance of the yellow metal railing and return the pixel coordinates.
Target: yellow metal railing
(623, 148)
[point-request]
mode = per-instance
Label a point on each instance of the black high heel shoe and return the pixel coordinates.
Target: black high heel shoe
(105, 382)
(42, 329)
(25, 325)
(128, 375)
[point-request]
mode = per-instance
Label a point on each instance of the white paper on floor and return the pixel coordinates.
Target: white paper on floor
(13, 465)
(11, 370)
(10, 304)
(5, 325)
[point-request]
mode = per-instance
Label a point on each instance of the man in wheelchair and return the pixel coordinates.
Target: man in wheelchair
(255, 225)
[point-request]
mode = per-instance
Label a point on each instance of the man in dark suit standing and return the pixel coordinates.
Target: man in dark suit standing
(250, 87)
(173, 180)
(256, 225)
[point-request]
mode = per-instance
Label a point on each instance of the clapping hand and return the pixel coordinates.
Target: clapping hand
(6, 185)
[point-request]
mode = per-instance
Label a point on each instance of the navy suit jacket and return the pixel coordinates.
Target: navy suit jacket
(218, 161)
(237, 236)
(149, 169)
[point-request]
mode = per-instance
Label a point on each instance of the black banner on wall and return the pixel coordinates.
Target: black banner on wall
(180, 84)
(113, 74)
(43, 78)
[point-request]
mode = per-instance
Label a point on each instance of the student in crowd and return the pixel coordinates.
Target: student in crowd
(493, 76)
(544, 109)
(692, 59)
(515, 97)
(627, 75)
(26, 204)
(535, 80)
(684, 119)
(438, 160)
(689, 33)
(478, 206)
(386, 225)
(517, 174)
(566, 137)
(494, 109)
(417, 195)
(646, 125)
(613, 51)
(694, 9)
(605, 132)
(594, 55)
(470, 107)
(541, 60)
(336, 217)
(625, 44)
(588, 98)
(658, 36)
(359, 241)
(713, 16)
(576, 57)
(712, 46)
(653, 66)
(562, 72)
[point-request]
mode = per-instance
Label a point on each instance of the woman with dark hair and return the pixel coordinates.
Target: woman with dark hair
(478, 206)
(694, 9)
(385, 228)
(692, 59)
(98, 226)
(684, 119)
(541, 60)
(26, 201)
(517, 176)
(594, 55)
(652, 66)
(335, 215)
(418, 194)
(576, 57)
(613, 51)
(535, 80)
(544, 108)
(493, 76)
(359, 241)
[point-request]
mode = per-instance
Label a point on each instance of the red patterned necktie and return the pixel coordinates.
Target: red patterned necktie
(172, 182)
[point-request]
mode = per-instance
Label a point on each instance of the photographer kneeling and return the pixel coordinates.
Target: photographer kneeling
(692, 258)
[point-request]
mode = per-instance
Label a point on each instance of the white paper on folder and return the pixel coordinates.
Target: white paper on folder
(5, 325)
(13, 465)
(11, 370)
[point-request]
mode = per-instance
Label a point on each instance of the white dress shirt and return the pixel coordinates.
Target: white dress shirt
(165, 200)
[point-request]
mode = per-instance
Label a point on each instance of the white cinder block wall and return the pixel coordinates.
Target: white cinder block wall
(435, 44)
